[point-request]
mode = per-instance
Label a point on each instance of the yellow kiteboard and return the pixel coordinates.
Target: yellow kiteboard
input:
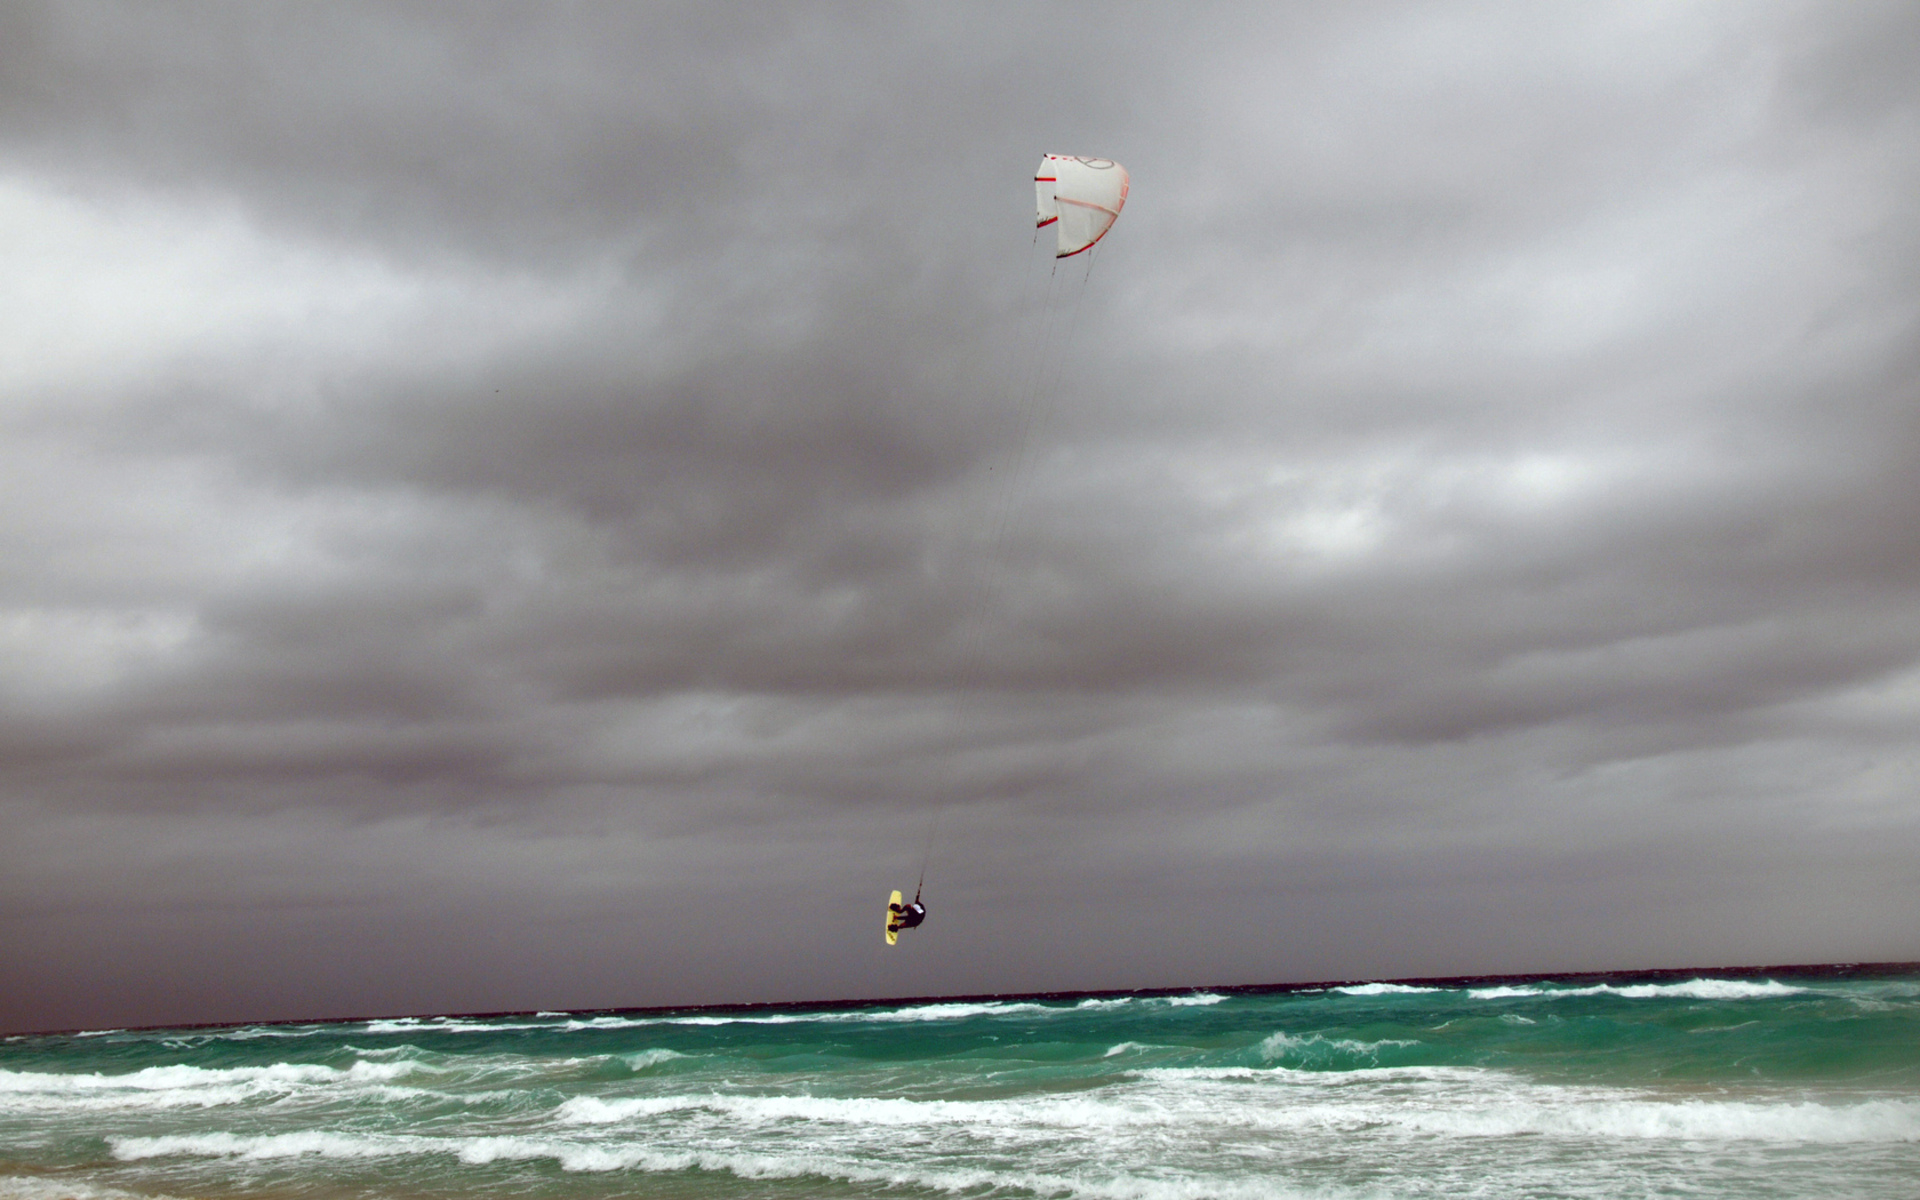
(893, 913)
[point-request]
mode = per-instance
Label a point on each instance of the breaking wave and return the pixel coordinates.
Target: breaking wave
(184, 1086)
(1692, 989)
(1526, 1088)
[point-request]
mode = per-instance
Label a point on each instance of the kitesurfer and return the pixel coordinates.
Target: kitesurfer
(1082, 198)
(906, 916)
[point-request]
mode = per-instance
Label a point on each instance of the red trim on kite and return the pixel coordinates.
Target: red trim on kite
(1096, 241)
(1047, 222)
(1114, 212)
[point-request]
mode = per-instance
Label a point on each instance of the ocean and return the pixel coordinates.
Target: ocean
(1799, 1082)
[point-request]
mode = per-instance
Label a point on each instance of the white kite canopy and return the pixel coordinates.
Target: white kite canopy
(1080, 197)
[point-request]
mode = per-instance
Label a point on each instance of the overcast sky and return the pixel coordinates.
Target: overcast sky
(538, 507)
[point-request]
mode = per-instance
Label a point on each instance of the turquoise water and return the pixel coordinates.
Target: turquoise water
(1788, 1084)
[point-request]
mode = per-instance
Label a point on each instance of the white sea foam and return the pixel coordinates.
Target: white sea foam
(1711, 989)
(1506, 992)
(790, 1161)
(1147, 1135)
(862, 1125)
(592, 1110)
(1294, 1077)
(248, 1033)
(575, 1024)
(1479, 1103)
(1314, 1047)
(960, 1012)
(1870, 1121)
(1197, 998)
(385, 1052)
(447, 1025)
(181, 1086)
(1692, 989)
(154, 1078)
(1003, 1121)
(766, 1110)
(1383, 989)
(944, 1011)
(265, 1146)
(597, 1023)
(642, 1059)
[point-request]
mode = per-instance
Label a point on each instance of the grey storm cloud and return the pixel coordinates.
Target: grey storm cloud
(487, 490)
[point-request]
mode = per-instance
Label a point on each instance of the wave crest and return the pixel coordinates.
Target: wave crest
(1692, 989)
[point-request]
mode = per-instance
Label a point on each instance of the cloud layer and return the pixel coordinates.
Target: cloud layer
(520, 509)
